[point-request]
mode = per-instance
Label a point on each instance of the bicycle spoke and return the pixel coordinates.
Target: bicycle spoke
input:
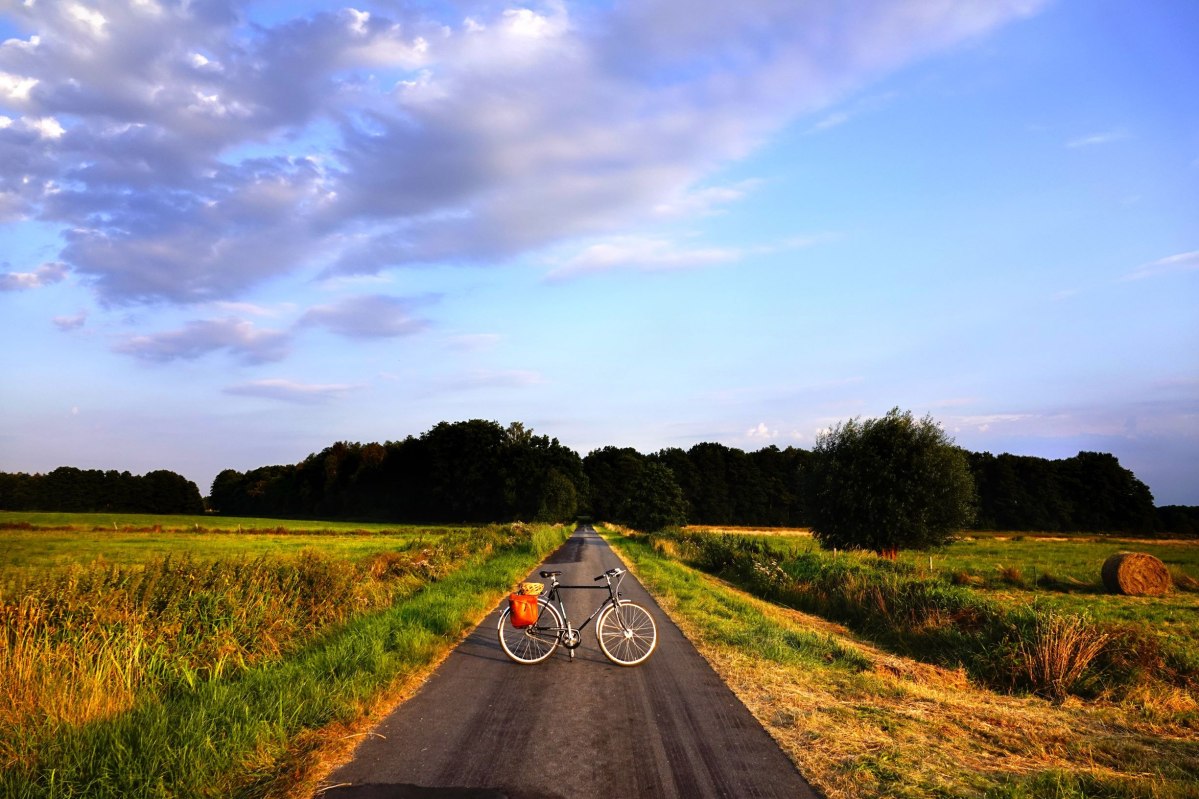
(627, 634)
(531, 644)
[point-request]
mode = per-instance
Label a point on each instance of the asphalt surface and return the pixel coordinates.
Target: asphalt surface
(484, 727)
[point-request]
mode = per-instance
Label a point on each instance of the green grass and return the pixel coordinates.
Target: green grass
(187, 728)
(860, 721)
(1072, 559)
(1065, 575)
(40, 549)
(142, 521)
(1055, 572)
(1043, 642)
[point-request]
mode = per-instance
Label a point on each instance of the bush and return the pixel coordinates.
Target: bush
(888, 484)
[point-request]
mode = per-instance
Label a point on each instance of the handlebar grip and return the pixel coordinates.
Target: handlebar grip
(597, 579)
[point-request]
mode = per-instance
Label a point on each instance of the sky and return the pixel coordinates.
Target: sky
(233, 233)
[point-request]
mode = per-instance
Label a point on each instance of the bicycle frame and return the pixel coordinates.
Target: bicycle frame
(569, 635)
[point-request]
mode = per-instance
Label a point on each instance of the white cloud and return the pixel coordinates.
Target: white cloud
(514, 130)
(642, 255)
(1096, 139)
(474, 342)
(66, 323)
(704, 201)
(290, 390)
(488, 378)
(368, 316)
(15, 87)
(47, 127)
(250, 309)
(984, 422)
(88, 19)
(1170, 265)
(203, 337)
(761, 432)
(44, 275)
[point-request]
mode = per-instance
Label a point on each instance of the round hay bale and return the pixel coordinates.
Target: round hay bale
(1135, 574)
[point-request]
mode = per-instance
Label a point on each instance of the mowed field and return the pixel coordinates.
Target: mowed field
(179, 656)
(1060, 571)
(970, 678)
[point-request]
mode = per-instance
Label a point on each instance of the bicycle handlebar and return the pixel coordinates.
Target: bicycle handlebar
(609, 574)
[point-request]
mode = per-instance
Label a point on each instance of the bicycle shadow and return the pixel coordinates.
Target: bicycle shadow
(408, 791)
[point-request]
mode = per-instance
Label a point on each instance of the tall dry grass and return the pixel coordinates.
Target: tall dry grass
(81, 643)
(1059, 651)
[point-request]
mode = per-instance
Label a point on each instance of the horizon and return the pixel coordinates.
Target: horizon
(234, 234)
(206, 491)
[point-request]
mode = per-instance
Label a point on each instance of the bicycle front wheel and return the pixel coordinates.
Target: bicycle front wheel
(536, 642)
(627, 634)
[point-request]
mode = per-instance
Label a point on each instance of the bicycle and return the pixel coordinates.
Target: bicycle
(626, 632)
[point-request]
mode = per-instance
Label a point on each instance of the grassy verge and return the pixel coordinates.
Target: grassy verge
(862, 722)
(1008, 646)
(258, 730)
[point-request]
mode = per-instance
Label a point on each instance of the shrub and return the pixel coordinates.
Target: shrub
(888, 484)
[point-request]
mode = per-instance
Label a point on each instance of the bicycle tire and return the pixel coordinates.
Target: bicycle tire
(534, 643)
(626, 633)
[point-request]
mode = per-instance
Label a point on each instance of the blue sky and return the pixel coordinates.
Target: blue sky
(232, 233)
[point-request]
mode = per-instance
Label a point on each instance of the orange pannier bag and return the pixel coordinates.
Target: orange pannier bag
(524, 610)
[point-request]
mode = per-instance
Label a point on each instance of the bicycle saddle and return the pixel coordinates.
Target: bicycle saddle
(550, 574)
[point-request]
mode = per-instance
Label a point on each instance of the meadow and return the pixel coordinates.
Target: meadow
(42, 540)
(888, 680)
(1054, 571)
(159, 659)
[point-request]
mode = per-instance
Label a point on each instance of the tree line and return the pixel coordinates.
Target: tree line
(71, 490)
(481, 471)
(474, 471)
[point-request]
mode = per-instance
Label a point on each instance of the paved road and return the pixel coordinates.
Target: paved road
(485, 727)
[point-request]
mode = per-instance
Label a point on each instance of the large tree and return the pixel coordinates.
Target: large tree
(888, 484)
(627, 487)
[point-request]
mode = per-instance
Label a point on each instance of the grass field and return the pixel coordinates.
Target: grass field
(861, 720)
(22, 550)
(1061, 572)
(179, 662)
(82, 522)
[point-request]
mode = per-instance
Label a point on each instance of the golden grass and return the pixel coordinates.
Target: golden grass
(783, 532)
(903, 728)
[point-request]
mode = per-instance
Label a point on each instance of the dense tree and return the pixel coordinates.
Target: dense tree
(1090, 492)
(782, 473)
(686, 476)
(611, 473)
(71, 490)
(888, 484)
(1104, 496)
(724, 485)
(1178, 519)
(472, 471)
(630, 488)
(480, 471)
(654, 501)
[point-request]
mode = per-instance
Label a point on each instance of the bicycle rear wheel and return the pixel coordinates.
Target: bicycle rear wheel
(627, 633)
(536, 642)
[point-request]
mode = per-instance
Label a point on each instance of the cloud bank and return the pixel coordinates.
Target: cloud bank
(190, 152)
